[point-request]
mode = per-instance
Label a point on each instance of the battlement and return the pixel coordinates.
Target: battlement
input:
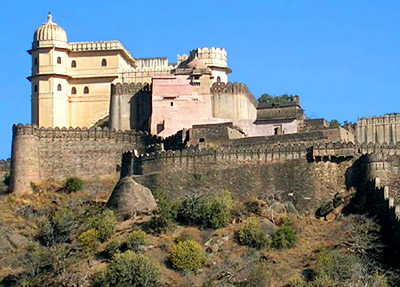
(212, 57)
(395, 118)
(159, 64)
(129, 88)
(352, 149)
(77, 133)
(232, 88)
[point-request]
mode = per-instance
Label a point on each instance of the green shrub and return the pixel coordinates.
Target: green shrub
(159, 223)
(112, 247)
(253, 234)
(89, 240)
(128, 270)
(285, 236)
(166, 206)
(7, 179)
(166, 214)
(104, 223)
(57, 227)
(187, 256)
(257, 276)
(135, 239)
(212, 210)
(73, 184)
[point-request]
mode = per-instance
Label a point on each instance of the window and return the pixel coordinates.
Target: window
(218, 79)
(172, 104)
(73, 91)
(58, 60)
(35, 61)
(86, 90)
(73, 64)
(35, 89)
(104, 63)
(59, 88)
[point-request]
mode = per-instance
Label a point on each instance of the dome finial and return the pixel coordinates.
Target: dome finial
(49, 18)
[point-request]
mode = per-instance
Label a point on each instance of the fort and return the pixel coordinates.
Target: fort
(98, 112)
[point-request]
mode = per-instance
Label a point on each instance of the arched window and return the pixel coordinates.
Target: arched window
(35, 88)
(73, 91)
(35, 61)
(86, 90)
(59, 88)
(104, 63)
(73, 64)
(58, 60)
(218, 79)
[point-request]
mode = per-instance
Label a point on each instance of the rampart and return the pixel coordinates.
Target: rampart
(379, 129)
(284, 172)
(233, 101)
(130, 106)
(54, 154)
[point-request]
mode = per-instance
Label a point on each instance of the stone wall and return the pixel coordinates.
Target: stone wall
(248, 173)
(54, 154)
(379, 129)
(130, 106)
(233, 101)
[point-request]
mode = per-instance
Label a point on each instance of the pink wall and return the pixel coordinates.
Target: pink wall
(176, 104)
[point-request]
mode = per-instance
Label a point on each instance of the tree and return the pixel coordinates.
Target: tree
(334, 124)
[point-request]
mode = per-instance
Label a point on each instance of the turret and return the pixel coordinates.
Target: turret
(49, 76)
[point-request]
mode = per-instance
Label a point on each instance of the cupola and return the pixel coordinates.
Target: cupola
(50, 31)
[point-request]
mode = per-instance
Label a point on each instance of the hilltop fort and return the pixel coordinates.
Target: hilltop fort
(97, 111)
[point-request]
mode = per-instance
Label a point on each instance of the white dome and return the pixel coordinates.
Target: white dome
(50, 31)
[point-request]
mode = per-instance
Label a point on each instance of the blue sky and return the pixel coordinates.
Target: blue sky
(341, 57)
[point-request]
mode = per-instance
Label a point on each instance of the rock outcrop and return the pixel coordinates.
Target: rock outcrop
(130, 198)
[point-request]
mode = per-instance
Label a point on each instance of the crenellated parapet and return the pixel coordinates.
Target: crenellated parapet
(129, 88)
(379, 129)
(191, 157)
(78, 133)
(354, 149)
(386, 119)
(212, 57)
(232, 89)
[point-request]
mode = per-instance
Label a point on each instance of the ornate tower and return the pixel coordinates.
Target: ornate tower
(49, 77)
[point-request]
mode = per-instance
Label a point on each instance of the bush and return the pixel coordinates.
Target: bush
(112, 247)
(257, 276)
(285, 236)
(104, 223)
(7, 179)
(253, 235)
(89, 240)
(187, 256)
(57, 227)
(135, 239)
(73, 184)
(212, 210)
(129, 270)
(159, 223)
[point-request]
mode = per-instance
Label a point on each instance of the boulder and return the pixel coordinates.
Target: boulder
(130, 198)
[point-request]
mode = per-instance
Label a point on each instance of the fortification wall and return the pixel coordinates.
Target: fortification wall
(130, 106)
(379, 129)
(233, 101)
(55, 154)
(248, 173)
